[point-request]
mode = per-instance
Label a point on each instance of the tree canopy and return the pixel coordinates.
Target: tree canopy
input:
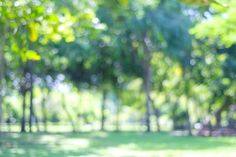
(146, 61)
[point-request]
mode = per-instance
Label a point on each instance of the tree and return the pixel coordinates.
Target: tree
(217, 31)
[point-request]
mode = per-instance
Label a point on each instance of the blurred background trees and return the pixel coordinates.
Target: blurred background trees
(117, 65)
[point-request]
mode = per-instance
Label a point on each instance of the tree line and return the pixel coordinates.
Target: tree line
(172, 59)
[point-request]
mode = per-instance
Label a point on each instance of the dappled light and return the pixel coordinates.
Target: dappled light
(116, 144)
(117, 78)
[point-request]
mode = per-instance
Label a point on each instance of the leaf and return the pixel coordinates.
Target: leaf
(225, 81)
(124, 2)
(32, 55)
(196, 2)
(178, 71)
(33, 34)
(88, 15)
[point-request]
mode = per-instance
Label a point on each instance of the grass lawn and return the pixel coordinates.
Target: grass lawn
(127, 144)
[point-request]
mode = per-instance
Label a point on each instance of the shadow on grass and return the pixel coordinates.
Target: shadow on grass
(85, 144)
(162, 141)
(42, 145)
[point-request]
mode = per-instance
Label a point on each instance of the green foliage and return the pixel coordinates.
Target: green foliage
(219, 26)
(108, 45)
(32, 55)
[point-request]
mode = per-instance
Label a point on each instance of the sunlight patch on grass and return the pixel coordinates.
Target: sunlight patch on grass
(122, 152)
(105, 144)
(129, 146)
(17, 151)
(74, 144)
(50, 138)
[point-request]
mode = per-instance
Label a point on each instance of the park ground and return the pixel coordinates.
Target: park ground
(111, 144)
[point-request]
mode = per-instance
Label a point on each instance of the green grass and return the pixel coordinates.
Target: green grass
(127, 144)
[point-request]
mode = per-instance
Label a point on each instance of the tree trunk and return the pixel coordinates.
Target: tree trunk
(209, 120)
(23, 111)
(147, 86)
(189, 125)
(118, 107)
(23, 91)
(31, 116)
(1, 87)
(224, 106)
(147, 79)
(209, 124)
(2, 60)
(68, 114)
(157, 114)
(186, 64)
(186, 90)
(218, 118)
(174, 116)
(79, 117)
(36, 122)
(103, 106)
(44, 110)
